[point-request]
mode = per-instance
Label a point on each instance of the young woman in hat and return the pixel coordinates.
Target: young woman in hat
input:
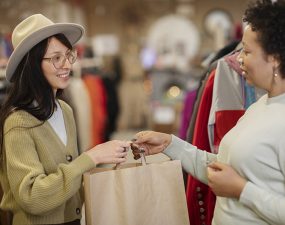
(248, 176)
(41, 172)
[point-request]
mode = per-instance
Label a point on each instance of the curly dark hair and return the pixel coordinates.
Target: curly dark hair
(267, 18)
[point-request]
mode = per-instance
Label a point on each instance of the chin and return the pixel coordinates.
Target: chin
(63, 85)
(249, 82)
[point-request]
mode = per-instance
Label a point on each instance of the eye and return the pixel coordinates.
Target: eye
(245, 52)
(57, 58)
(72, 55)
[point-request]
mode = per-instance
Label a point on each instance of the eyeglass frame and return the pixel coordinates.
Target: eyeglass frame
(71, 51)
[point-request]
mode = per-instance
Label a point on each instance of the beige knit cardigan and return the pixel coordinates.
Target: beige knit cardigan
(41, 177)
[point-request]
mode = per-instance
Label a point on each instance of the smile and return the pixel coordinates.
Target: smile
(243, 73)
(63, 75)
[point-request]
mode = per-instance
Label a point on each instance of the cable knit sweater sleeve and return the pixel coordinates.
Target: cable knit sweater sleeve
(38, 176)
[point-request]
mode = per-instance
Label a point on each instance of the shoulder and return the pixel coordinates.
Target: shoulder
(260, 102)
(20, 119)
(263, 98)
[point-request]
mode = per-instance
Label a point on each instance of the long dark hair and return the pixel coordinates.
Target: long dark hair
(29, 85)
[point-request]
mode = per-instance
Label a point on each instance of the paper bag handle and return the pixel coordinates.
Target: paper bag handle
(143, 160)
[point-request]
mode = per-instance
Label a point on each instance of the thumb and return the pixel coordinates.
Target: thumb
(141, 137)
(216, 166)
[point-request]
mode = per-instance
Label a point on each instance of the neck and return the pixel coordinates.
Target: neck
(278, 86)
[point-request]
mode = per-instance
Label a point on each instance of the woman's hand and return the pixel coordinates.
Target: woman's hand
(224, 180)
(151, 142)
(109, 152)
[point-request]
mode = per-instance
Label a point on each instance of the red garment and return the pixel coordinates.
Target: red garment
(200, 199)
(97, 94)
(225, 120)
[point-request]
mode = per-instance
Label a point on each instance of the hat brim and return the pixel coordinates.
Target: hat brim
(73, 33)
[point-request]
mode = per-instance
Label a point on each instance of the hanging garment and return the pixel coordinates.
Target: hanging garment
(190, 129)
(231, 97)
(187, 113)
(200, 199)
(112, 104)
(97, 96)
(227, 103)
(77, 96)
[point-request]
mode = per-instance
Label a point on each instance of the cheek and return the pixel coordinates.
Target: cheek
(255, 66)
(48, 70)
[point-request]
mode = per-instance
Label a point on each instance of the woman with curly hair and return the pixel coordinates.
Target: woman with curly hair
(248, 173)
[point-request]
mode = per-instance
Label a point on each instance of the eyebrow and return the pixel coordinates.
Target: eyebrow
(59, 52)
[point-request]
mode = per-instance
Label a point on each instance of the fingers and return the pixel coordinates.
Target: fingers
(216, 166)
(211, 173)
(122, 155)
(120, 160)
(141, 137)
(123, 144)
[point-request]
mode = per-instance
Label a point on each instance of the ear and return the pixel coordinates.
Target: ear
(274, 60)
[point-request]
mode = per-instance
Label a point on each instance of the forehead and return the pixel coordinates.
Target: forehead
(249, 36)
(250, 41)
(54, 45)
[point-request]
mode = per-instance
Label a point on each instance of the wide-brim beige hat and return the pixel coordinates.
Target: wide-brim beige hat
(33, 30)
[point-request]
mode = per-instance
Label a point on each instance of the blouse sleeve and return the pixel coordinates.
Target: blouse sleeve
(193, 160)
(268, 204)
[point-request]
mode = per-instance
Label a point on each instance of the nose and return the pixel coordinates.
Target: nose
(66, 64)
(240, 59)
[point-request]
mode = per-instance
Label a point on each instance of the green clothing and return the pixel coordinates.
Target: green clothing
(40, 185)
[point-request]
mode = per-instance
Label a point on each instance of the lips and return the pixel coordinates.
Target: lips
(243, 73)
(64, 75)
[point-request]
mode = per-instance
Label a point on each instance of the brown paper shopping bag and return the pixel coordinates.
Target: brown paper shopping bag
(133, 194)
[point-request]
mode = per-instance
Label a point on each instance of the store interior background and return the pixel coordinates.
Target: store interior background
(161, 47)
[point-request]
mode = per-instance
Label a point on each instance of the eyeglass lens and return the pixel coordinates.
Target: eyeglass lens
(60, 59)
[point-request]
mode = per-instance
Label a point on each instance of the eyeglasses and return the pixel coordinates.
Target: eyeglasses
(59, 59)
